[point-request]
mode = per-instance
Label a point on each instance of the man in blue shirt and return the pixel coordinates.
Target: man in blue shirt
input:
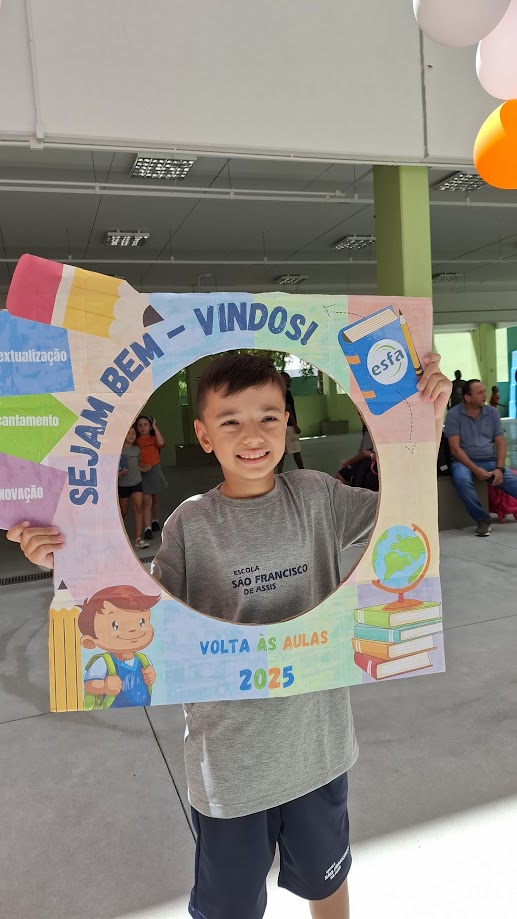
(478, 448)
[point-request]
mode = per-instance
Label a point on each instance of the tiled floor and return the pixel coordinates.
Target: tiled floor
(94, 809)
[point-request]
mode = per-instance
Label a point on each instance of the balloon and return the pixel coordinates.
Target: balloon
(495, 150)
(458, 23)
(496, 62)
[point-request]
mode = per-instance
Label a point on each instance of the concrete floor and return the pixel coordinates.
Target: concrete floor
(94, 807)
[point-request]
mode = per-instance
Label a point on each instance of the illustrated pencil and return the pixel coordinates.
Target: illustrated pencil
(66, 685)
(75, 299)
(411, 345)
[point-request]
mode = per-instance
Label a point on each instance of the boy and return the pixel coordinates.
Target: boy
(265, 772)
(117, 620)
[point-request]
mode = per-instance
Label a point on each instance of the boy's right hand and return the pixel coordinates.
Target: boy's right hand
(38, 544)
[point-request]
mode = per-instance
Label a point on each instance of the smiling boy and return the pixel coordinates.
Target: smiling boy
(266, 772)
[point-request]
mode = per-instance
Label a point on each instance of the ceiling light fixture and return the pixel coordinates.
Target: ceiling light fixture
(443, 277)
(126, 238)
(161, 167)
(291, 278)
(354, 242)
(460, 181)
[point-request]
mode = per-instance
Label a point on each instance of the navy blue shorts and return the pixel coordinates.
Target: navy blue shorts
(233, 857)
(125, 491)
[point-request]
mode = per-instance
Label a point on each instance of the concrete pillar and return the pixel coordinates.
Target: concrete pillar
(402, 229)
(487, 355)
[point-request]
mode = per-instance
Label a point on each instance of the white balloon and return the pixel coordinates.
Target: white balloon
(458, 23)
(496, 62)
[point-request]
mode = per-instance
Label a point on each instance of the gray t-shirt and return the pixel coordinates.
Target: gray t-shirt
(246, 756)
(133, 475)
(476, 434)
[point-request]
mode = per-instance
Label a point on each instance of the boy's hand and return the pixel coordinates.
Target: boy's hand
(434, 385)
(112, 685)
(38, 544)
(149, 675)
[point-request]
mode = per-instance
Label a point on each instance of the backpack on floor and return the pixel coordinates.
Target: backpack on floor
(500, 503)
(364, 474)
(92, 701)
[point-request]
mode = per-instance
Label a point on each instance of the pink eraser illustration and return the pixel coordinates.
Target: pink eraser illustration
(34, 287)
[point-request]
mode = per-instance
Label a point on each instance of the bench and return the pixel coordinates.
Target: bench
(451, 511)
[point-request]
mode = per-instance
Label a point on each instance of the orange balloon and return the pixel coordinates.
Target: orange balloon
(495, 149)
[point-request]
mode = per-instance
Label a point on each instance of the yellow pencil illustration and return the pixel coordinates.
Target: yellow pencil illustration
(411, 345)
(75, 299)
(66, 683)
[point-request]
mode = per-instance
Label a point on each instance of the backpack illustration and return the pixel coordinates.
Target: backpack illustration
(92, 701)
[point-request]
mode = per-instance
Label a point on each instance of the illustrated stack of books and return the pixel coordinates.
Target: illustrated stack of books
(389, 642)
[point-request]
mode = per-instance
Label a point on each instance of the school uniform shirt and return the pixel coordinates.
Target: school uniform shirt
(246, 756)
(148, 450)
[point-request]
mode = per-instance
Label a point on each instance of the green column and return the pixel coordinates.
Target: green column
(402, 229)
(487, 355)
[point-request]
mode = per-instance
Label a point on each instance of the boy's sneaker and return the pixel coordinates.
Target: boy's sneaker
(155, 526)
(141, 544)
(483, 528)
(148, 534)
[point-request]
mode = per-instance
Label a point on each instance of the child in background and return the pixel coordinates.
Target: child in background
(150, 442)
(130, 472)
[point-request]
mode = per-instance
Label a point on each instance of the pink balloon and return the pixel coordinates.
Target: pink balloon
(496, 62)
(458, 23)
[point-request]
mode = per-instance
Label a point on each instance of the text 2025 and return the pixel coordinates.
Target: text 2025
(278, 679)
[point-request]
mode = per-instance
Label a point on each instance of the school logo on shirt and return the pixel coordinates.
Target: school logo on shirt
(387, 361)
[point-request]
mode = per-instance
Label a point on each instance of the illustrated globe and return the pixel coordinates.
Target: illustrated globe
(399, 557)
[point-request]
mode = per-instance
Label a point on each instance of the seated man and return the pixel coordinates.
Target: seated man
(361, 470)
(478, 449)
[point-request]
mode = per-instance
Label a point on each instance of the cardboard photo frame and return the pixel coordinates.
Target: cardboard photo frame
(80, 355)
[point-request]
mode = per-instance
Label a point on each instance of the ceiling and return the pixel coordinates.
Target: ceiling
(235, 224)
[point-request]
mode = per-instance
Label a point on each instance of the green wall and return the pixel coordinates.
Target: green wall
(459, 351)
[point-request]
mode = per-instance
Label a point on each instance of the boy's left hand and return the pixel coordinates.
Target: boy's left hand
(149, 675)
(434, 385)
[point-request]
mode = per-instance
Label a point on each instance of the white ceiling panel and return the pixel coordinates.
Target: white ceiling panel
(267, 76)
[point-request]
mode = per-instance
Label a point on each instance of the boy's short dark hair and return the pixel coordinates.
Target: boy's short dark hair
(235, 372)
(465, 389)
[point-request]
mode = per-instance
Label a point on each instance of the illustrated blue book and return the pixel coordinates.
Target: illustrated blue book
(383, 359)
(401, 634)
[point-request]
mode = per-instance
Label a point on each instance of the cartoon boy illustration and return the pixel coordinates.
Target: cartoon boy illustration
(118, 621)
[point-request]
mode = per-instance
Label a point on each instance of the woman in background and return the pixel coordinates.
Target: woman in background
(151, 442)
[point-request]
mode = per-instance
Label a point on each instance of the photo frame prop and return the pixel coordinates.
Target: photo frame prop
(81, 354)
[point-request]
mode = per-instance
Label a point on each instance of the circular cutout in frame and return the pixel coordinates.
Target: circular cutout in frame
(106, 349)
